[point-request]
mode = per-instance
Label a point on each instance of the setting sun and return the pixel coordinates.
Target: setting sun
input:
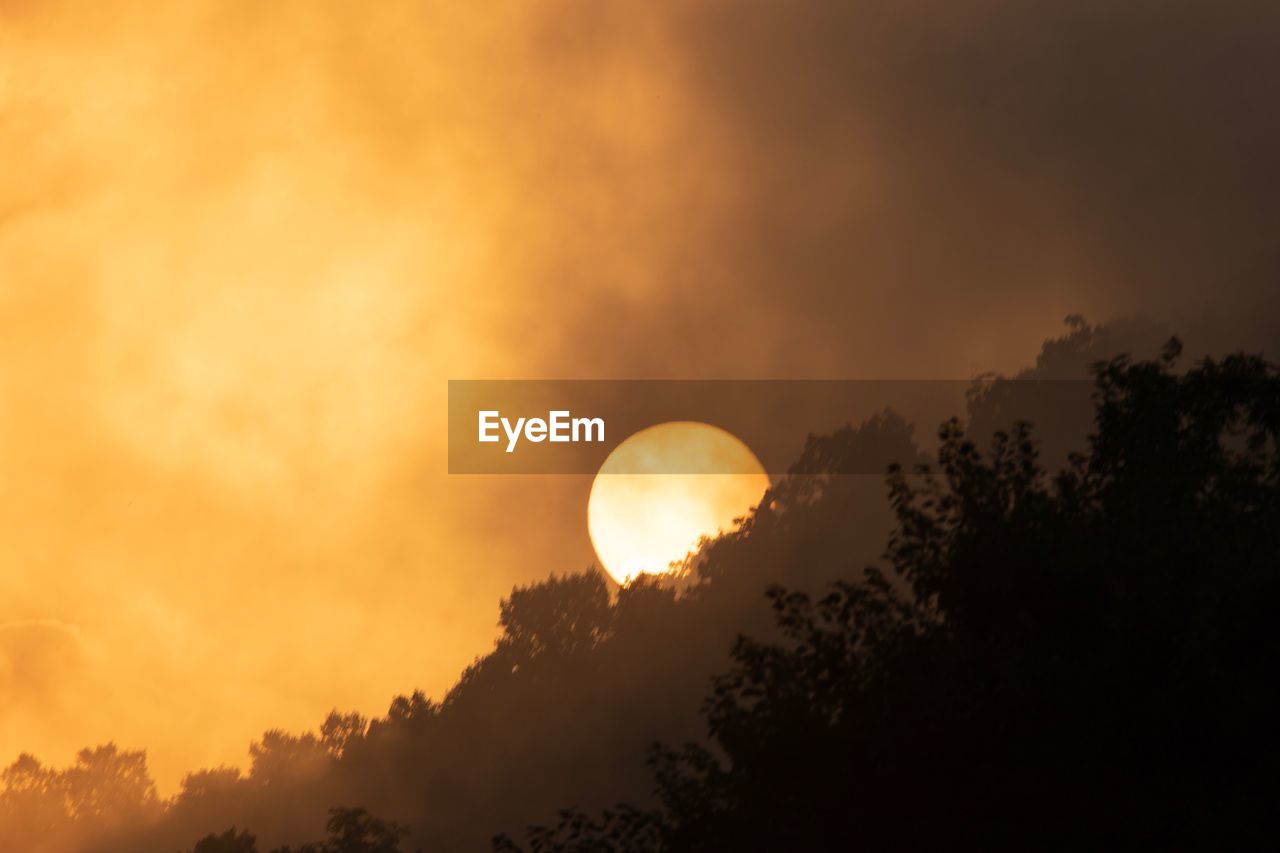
(665, 488)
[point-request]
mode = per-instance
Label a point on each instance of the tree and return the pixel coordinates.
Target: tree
(562, 616)
(107, 785)
(280, 758)
(210, 784)
(340, 731)
(350, 831)
(1065, 662)
(33, 802)
(46, 808)
(355, 831)
(228, 842)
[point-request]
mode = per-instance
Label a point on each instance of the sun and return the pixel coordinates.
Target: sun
(663, 489)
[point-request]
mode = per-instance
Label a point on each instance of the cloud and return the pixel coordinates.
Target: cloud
(38, 659)
(247, 246)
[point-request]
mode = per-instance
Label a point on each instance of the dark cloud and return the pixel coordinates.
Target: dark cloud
(928, 188)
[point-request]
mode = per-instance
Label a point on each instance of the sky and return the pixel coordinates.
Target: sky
(244, 246)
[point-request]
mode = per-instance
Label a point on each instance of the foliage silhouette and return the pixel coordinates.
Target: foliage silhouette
(1040, 658)
(228, 842)
(1065, 662)
(105, 789)
(350, 831)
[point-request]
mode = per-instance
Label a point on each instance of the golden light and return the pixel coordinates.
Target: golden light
(647, 511)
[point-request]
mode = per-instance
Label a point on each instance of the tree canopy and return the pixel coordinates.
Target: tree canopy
(1066, 661)
(1039, 656)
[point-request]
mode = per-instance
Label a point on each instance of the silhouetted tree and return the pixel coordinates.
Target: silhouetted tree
(339, 731)
(354, 831)
(45, 808)
(1072, 662)
(280, 758)
(1041, 660)
(561, 616)
(350, 831)
(107, 785)
(208, 784)
(228, 842)
(33, 803)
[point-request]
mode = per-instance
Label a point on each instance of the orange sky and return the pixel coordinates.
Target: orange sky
(243, 245)
(232, 291)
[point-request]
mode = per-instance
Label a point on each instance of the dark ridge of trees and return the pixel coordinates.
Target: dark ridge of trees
(579, 684)
(1074, 661)
(350, 831)
(228, 842)
(1055, 393)
(46, 808)
(576, 687)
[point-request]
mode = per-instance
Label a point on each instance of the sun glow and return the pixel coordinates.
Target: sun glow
(648, 510)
